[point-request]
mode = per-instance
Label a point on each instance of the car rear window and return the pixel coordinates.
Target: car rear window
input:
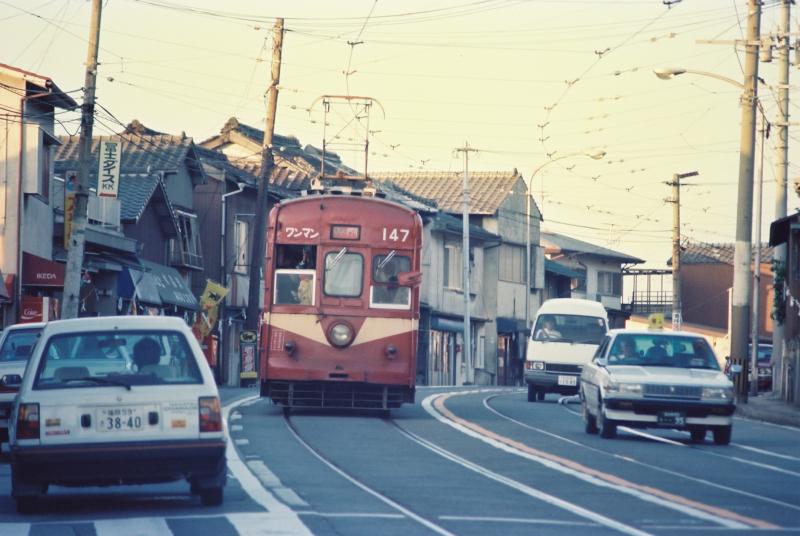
(127, 358)
(19, 345)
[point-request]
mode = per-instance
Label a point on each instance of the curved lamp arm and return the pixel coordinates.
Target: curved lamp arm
(669, 73)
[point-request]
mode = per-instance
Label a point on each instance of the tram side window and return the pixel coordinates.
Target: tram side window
(295, 256)
(294, 287)
(385, 292)
(344, 274)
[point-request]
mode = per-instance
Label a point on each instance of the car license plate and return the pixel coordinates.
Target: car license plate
(568, 380)
(674, 418)
(120, 419)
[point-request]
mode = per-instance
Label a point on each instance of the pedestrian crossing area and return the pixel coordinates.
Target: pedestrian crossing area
(233, 524)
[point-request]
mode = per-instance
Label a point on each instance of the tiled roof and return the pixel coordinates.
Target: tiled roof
(136, 191)
(286, 148)
(446, 222)
(705, 253)
(141, 153)
(488, 189)
(554, 242)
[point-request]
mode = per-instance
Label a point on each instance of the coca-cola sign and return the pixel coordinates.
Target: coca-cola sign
(38, 309)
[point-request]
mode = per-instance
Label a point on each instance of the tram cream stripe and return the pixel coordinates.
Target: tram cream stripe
(373, 329)
(676, 502)
(132, 526)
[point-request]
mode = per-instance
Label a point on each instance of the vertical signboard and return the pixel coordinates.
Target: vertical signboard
(247, 349)
(70, 186)
(108, 173)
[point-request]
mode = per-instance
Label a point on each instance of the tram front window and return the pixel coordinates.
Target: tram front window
(344, 274)
(386, 292)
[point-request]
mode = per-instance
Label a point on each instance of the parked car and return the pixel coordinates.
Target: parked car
(565, 334)
(764, 359)
(16, 345)
(643, 378)
(117, 400)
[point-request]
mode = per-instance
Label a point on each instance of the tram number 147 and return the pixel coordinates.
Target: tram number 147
(395, 235)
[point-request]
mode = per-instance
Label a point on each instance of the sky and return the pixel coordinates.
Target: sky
(531, 85)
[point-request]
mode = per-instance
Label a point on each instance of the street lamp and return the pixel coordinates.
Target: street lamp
(740, 306)
(594, 155)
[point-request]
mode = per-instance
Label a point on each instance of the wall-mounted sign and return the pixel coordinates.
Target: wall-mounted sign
(108, 173)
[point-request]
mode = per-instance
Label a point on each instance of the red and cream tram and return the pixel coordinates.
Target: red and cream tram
(341, 314)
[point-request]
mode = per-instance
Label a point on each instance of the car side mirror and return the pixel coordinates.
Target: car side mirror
(11, 380)
(601, 361)
(409, 279)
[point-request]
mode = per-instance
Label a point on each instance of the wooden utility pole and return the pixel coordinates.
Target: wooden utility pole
(677, 306)
(466, 351)
(257, 244)
(77, 241)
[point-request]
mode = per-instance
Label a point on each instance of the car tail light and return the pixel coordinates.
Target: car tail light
(210, 414)
(28, 421)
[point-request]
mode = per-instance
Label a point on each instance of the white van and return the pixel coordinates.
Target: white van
(564, 337)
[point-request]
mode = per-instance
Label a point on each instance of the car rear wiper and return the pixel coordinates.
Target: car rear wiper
(97, 380)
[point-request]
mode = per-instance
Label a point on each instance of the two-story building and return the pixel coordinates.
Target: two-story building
(595, 272)
(29, 103)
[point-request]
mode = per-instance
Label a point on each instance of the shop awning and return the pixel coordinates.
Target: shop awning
(446, 324)
(172, 289)
(559, 269)
(139, 282)
(40, 272)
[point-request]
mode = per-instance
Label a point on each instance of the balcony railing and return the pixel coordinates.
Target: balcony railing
(185, 259)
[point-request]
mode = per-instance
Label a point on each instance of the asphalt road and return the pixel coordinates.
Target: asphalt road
(460, 461)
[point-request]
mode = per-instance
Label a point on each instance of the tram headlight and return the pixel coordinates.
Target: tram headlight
(340, 335)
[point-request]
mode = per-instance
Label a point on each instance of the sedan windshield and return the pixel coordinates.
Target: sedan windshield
(662, 350)
(118, 359)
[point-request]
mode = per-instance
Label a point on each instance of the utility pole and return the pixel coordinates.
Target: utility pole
(467, 336)
(77, 241)
(757, 263)
(740, 296)
(258, 242)
(781, 159)
(677, 308)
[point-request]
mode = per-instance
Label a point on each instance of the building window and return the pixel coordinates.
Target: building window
(609, 283)
(512, 263)
(242, 246)
(452, 265)
(185, 249)
(579, 283)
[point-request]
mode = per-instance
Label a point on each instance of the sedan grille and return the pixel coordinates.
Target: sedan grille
(673, 391)
(562, 368)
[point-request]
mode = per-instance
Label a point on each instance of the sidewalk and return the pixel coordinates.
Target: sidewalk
(769, 408)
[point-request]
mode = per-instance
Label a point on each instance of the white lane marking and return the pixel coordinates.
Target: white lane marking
(288, 496)
(530, 521)
(765, 466)
(357, 515)
(15, 529)
(651, 467)
(262, 472)
(134, 526)
(236, 428)
(400, 508)
(268, 524)
(652, 437)
(765, 423)
(242, 441)
(235, 416)
(766, 452)
(688, 510)
(527, 490)
(281, 516)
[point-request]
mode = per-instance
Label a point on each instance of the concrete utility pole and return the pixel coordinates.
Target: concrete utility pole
(258, 242)
(757, 263)
(677, 310)
(740, 296)
(77, 242)
(466, 352)
(781, 159)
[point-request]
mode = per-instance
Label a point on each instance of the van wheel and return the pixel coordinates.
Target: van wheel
(531, 393)
(607, 427)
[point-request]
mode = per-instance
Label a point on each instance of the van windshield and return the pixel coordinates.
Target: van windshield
(569, 328)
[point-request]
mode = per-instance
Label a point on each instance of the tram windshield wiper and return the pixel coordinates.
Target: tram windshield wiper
(333, 262)
(386, 259)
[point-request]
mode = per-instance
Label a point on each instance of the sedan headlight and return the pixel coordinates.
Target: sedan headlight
(623, 388)
(723, 393)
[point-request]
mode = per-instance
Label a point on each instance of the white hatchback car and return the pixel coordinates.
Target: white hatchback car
(16, 345)
(117, 400)
(643, 378)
